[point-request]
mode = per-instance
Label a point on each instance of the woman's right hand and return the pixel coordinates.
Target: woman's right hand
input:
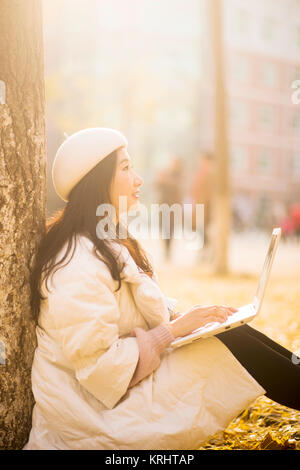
(198, 316)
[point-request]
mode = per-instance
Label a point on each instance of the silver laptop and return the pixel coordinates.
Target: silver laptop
(245, 313)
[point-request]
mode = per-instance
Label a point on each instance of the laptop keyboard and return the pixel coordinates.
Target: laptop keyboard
(239, 315)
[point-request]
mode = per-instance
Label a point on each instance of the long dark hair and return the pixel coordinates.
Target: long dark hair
(79, 217)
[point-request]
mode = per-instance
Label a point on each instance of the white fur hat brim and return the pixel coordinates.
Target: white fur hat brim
(81, 152)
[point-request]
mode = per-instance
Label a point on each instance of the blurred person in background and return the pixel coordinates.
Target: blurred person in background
(278, 212)
(290, 224)
(169, 186)
(242, 209)
(201, 192)
(295, 216)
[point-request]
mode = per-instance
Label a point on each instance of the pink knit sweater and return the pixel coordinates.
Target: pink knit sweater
(151, 344)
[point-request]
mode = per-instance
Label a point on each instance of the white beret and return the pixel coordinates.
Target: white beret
(81, 152)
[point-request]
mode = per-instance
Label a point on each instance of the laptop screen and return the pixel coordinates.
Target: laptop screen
(266, 268)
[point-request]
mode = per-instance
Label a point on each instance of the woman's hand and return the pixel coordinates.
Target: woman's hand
(199, 316)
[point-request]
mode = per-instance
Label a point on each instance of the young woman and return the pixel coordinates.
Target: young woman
(103, 376)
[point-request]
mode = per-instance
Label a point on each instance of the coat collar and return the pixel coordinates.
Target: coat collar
(151, 302)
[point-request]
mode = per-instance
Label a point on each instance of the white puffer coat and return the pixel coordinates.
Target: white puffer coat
(85, 359)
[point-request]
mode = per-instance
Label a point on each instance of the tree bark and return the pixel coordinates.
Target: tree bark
(221, 200)
(22, 207)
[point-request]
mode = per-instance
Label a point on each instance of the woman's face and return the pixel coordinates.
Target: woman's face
(126, 182)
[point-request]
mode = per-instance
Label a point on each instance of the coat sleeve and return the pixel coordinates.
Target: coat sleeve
(86, 314)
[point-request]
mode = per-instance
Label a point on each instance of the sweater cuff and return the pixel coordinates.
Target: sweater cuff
(151, 343)
(160, 337)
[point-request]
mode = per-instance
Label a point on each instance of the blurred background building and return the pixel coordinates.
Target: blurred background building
(144, 67)
(262, 50)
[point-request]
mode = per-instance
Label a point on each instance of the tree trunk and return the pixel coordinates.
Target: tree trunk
(22, 206)
(221, 202)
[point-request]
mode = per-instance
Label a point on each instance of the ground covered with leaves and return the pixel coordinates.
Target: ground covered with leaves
(265, 424)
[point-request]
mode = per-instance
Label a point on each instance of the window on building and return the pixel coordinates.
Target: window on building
(241, 69)
(238, 113)
(295, 165)
(295, 121)
(269, 74)
(295, 74)
(298, 38)
(242, 22)
(238, 158)
(264, 161)
(266, 117)
(270, 28)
